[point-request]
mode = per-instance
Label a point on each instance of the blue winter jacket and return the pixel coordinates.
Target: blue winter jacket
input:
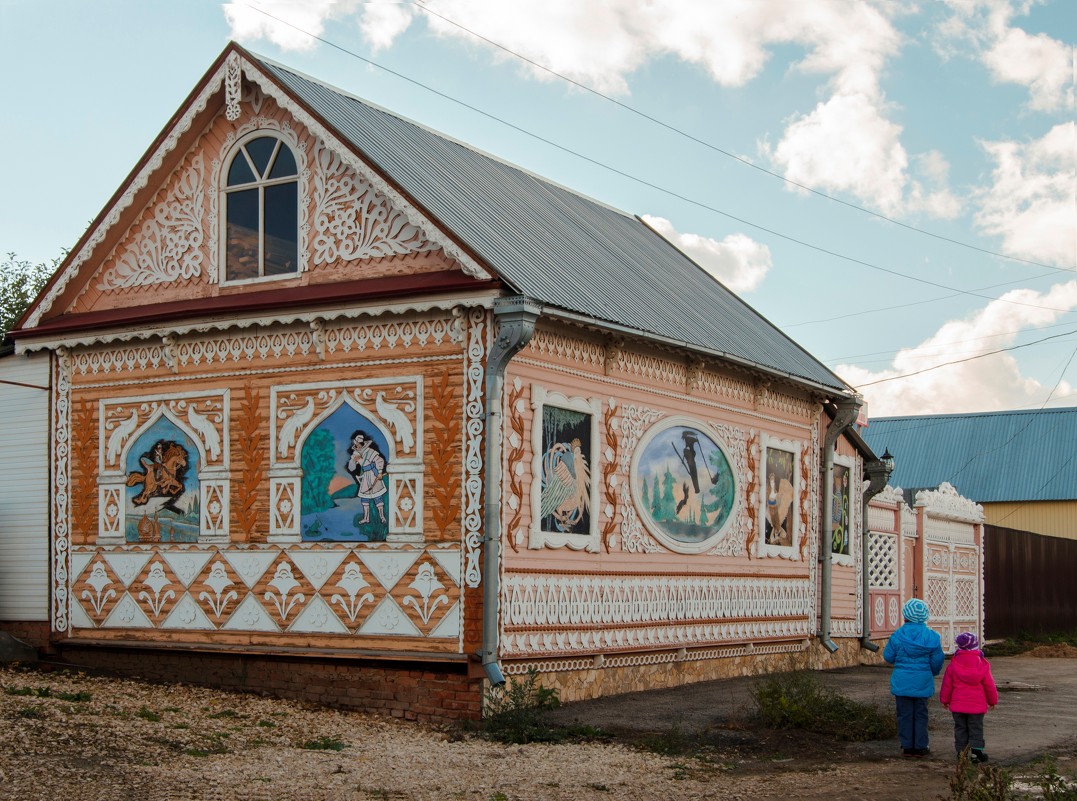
(916, 654)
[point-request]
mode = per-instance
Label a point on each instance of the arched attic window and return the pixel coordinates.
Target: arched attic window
(261, 201)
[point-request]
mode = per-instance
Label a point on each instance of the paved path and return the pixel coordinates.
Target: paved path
(1036, 715)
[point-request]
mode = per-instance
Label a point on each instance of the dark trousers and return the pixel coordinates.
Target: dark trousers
(912, 721)
(968, 731)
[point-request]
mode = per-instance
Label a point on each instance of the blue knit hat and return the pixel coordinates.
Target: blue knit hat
(915, 611)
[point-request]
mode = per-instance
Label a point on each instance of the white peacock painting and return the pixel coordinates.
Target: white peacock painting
(566, 474)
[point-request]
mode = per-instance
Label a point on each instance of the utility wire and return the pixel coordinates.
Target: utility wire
(735, 157)
(968, 359)
(913, 303)
(641, 181)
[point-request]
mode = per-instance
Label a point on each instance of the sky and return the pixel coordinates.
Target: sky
(891, 183)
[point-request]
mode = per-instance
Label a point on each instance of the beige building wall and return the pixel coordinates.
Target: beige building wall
(1051, 518)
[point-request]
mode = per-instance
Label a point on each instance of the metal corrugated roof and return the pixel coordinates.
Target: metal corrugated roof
(989, 456)
(554, 245)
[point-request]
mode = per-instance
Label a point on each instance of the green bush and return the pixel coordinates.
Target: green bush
(514, 711)
(797, 700)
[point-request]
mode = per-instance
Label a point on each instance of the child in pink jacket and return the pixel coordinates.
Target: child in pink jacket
(968, 691)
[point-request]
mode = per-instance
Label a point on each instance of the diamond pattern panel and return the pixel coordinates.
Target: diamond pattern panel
(98, 589)
(283, 590)
(352, 592)
(426, 594)
(157, 589)
(218, 590)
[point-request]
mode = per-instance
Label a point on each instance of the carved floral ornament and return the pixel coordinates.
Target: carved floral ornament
(396, 406)
(202, 416)
(946, 502)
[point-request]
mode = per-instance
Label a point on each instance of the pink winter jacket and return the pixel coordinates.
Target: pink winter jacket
(967, 685)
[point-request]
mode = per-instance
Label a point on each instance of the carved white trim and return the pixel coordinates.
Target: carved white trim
(947, 502)
(382, 187)
(539, 537)
(110, 513)
(201, 415)
(474, 426)
(414, 326)
(734, 442)
(214, 506)
(168, 246)
(284, 494)
(406, 514)
(794, 449)
(890, 494)
(631, 660)
(546, 613)
(137, 184)
(219, 177)
(61, 498)
(634, 419)
(352, 220)
(233, 87)
(394, 405)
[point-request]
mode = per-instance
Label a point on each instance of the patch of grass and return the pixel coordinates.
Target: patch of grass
(674, 742)
(225, 713)
(1026, 641)
(267, 724)
(30, 712)
(797, 700)
(325, 744)
(78, 697)
(149, 714)
(46, 692)
(171, 709)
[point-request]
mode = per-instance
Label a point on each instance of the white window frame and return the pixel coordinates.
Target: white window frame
(539, 537)
(763, 548)
(237, 151)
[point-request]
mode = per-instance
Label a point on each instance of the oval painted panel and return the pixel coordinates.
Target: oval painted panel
(684, 486)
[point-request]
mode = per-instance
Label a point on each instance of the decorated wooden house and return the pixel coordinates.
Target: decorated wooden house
(344, 409)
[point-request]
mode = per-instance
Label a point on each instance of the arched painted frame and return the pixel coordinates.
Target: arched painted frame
(683, 485)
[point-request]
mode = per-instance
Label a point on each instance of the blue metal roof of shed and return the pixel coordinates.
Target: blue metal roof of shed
(989, 456)
(554, 245)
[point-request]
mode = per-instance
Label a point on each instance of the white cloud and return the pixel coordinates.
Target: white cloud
(1039, 62)
(1031, 202)
(846, 144)
(990, 383)
(1012, 55)
(307, 18)
(738, 261)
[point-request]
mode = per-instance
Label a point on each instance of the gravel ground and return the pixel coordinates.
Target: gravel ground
(77, 737)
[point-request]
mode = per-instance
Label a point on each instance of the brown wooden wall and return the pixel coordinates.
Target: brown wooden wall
(1028, 583)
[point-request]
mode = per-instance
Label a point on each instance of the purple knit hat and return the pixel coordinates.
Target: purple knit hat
(967, 641)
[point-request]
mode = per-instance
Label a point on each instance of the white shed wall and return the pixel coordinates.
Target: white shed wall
(24, 488)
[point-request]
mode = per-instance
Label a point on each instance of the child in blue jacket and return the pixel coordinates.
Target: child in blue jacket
(915, 651)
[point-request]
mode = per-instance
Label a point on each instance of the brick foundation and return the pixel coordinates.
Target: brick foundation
(413, 691)
(31, 632)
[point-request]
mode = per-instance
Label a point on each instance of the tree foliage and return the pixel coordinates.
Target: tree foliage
(20, 281)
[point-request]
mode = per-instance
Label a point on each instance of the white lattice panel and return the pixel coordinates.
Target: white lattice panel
(882, 561)
(966, 601)
(938, 595)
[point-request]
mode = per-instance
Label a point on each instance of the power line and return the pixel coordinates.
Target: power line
(962, 361)
(711, 146)
(641, 181)
(913, 303)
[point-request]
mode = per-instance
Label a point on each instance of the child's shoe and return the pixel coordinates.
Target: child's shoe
(977, 755)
